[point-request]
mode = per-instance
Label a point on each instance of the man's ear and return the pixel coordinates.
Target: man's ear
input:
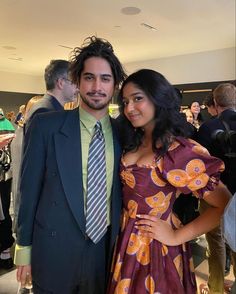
(60, 83)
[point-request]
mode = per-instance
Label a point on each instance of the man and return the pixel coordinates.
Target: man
(53, 219)
(60, 89)
(210, 105)
(225, 100)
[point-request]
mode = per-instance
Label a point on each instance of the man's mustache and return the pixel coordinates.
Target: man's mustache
(96, 94)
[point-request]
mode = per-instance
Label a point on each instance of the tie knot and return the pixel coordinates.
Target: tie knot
(98, 130)
(98, 126)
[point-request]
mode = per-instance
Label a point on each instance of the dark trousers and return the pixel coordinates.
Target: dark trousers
(91, 274)
(6, 238)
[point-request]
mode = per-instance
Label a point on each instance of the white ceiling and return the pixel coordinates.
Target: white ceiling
(36, 28)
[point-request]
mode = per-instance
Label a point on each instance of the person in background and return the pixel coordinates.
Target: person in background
(197, 116)
(152, 252)
(16, 154)
(189, 115)
(210, 105)
(224, 98)
(70, 236)
(20, 116)
(60, 89)
(6, 236)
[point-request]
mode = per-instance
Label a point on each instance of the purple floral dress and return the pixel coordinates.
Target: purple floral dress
(144, 265)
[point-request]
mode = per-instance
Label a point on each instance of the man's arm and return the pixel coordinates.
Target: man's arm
(30, 184)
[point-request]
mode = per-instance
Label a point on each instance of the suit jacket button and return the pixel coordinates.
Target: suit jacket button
(53, 233)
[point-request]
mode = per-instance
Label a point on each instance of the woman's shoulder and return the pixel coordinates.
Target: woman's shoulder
(181, 145)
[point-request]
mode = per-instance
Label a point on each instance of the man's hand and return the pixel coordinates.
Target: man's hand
(23, 274)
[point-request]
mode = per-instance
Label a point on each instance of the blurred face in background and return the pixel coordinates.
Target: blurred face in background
(195, 108)
(189, 115)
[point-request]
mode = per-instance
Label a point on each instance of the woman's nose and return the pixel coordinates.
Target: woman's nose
(130, 106)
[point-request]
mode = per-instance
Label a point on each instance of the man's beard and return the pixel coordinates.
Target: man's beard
(99, 106)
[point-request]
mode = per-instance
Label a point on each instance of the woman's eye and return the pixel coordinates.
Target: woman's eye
(138, 98)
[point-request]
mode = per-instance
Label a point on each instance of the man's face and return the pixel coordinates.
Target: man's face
(69, 90)
(96, 85)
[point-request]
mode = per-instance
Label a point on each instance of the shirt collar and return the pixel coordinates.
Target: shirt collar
(89, 121)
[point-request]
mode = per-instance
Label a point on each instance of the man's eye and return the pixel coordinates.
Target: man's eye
(88, 78)
(106, 79)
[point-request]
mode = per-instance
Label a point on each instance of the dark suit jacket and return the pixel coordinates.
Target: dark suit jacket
(51, 215)
(46, 104)
(205, 138)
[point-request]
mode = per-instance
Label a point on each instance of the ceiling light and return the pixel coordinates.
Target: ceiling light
(130, 10)
(148, 26)
(63, 46)
(9, 47)
(16, 58)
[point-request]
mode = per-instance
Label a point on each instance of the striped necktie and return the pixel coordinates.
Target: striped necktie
(96, 218)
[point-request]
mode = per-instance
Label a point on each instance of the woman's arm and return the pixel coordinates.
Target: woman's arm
(162, 231)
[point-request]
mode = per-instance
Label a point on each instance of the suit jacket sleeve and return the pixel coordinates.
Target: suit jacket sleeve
(31, 181)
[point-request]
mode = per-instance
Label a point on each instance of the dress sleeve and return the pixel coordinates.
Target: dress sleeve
(188, 166)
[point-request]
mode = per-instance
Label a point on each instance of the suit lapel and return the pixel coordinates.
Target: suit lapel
(68, 154)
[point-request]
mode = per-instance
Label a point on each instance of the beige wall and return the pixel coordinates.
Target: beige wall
(207, 66)
(218, 65)
(21, 83)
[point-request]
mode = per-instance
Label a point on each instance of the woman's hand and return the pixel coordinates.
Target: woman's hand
(155, 228)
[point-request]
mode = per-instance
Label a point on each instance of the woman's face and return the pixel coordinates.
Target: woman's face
(138, 108)
(195, 108)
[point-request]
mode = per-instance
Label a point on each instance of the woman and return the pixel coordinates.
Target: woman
(197, 116)
(158, 164)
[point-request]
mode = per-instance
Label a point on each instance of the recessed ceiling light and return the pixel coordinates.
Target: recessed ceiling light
(148, 26)
(130, 10)
(16, 58)
(9, 47)
(64, 46)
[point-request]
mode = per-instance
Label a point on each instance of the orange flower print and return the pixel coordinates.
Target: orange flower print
(195, 167)
(144, 240)
(200, 150)
(133, 245)
(150, 284)
(143, 254)
(177, 177)
(128, 177)
(199, 182)
(123, 286)
(164, 250)
(179, 265)
(160, 164)
(175, 220)
(159, 203)
(116, 274)
(173, 146)
(124, 219)
(156, 179)
(132, 208)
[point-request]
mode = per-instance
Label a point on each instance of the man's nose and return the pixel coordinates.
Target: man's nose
(96, 84)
